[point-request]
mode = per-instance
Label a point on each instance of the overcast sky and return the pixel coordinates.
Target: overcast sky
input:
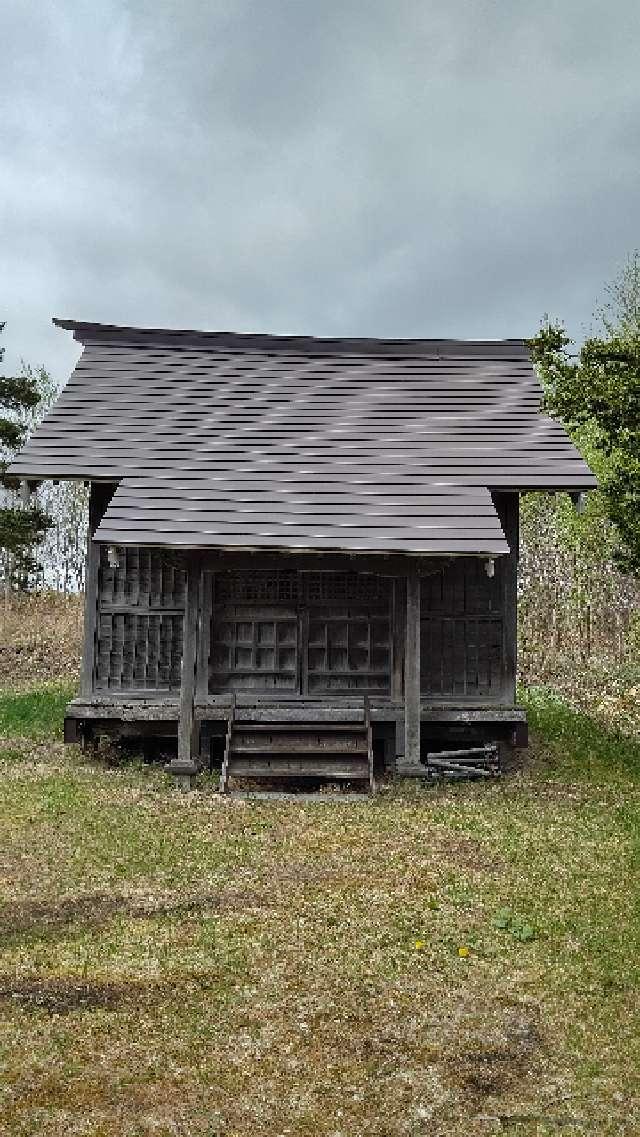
(359, 167)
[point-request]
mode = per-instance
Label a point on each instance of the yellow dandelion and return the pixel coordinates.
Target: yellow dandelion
(419, 945)
(463, 952)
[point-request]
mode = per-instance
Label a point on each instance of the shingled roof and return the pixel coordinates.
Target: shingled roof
(226, 440)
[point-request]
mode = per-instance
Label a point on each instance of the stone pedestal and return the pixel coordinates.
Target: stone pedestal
(184, 772)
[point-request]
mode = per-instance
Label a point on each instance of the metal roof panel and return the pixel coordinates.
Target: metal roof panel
(368, 429)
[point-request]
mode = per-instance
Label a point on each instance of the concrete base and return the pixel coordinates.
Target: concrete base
(410, 769)
(184, 782)
(183, 771)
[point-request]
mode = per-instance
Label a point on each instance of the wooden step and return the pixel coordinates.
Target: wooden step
(314, 725)
(301, 798)
(264, 766)
(304, 745)
(299, 714)
(300, 739)
(336, 747)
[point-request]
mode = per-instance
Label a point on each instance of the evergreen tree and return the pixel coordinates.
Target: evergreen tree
(21, 527)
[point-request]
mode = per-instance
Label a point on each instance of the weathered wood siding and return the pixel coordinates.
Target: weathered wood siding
(468, 624)
(134, 615)
(291, 632)
(462, 632)
(140, 620)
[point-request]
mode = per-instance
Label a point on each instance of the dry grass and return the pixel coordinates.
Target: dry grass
(189, 965)
(40, 638)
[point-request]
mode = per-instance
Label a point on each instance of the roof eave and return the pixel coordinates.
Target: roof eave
(23, 470)
(113, 538)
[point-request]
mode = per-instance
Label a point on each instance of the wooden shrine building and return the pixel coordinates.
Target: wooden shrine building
(302, 552)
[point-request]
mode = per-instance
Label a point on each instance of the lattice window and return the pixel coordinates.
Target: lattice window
(138, 651)
(348, 651)
(345, 587)
(256, 587)
(254, 653)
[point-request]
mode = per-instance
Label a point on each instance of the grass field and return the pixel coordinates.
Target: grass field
(459, 960)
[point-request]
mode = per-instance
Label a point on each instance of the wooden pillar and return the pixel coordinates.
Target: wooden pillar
(207, 579)
(184, 766)
(507, 506)
(412, 673)
(91, 574)
(399, 620)
(398, 623)
(99, 498)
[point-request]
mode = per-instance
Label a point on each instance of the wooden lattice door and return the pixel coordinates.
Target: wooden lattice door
(255, 633)
(348, 634)
(300, 633)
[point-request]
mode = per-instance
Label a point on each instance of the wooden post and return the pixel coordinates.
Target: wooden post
(399, 620)
(99, 498)
(91, 573)
(507, 506)
(207, 583)
(184, 767)
(412, 673)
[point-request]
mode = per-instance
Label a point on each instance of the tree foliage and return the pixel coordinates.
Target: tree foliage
(619, 314)
(62, 551)
(597, 395)
(21, 527)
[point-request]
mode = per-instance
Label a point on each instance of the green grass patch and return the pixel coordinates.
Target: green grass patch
(37, 713)
(580, 745)
(429, 961)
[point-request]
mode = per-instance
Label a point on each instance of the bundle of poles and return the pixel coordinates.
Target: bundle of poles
(471, 762)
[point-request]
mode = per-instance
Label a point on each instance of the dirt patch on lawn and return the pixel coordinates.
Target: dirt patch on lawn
(41, 916)
(64, 996)
(466, 853)
(94, 910)
(490, 1046)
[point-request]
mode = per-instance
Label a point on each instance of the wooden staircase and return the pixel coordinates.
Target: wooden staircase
(304, 749)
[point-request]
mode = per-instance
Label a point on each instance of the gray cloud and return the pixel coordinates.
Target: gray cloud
(422, 167)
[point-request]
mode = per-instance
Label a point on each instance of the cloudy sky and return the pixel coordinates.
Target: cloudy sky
(362, 167)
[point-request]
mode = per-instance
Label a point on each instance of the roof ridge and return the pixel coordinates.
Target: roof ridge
(89, 332)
